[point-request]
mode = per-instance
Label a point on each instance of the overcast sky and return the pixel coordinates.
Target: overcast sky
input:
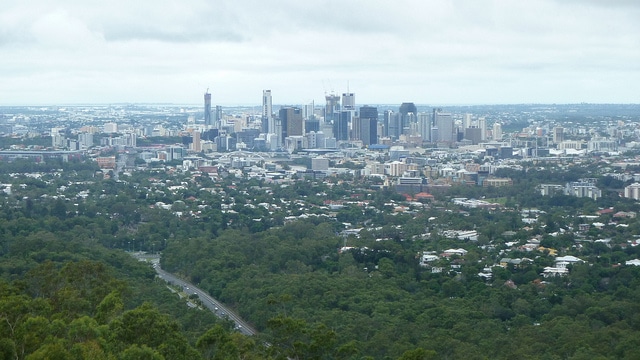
(434, 52)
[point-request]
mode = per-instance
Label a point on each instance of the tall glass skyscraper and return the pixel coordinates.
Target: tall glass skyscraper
(207, 109)
(268, 122)
(369, 125)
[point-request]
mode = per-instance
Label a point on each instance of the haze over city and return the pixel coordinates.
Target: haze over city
(427, 52)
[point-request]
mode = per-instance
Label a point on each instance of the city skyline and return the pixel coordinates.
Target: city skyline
(426, 52)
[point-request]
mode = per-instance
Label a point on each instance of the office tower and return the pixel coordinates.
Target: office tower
(312, 124)
(315, 139)
(474, 134)
(369, 125)
(632, 191)
(467, 121)
(85, 140)
(395, 126)
(291, 122)
(110, 128)
(444, 122)
(385, 123)
(435, 134)
(131, 139)
(57, 137)
(268, 124)
(348, 101)
(390, 123)
(424, 126)
(247, 137)
(308, 110)
(175, 153)
(558, 134)
(218, 119)
(327, 130)
(356, 128)
(407, 112)
(497, 131)
(207, 109)
(196, 144)
(341, 125)
(332, 107)
(225, 142)
(482, 125)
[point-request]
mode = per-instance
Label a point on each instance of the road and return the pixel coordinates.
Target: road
(212, 304)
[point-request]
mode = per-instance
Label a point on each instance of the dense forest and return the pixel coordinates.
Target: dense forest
(379, 303)
(65, 296)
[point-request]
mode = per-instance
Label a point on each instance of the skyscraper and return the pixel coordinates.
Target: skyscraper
(467, 121)
(218, 118)
(332, 107)
(291, 122)
(424, 126)
(208, 121)
(392, 127)
(497, 131)
(482, 124)
(408, 112)
(341, 125)
(348, 101)
(268, 123)
(196, 144)
(558, 134)
(444, 122)
(369, 125)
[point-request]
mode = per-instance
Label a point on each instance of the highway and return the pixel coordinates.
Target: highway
(212, 304)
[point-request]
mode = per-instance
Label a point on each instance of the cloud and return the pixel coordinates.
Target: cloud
(425, 51)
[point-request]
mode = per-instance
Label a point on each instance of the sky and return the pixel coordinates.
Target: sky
(435, 52)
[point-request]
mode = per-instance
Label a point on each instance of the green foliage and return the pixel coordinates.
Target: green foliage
(68, 290)
(292, 285)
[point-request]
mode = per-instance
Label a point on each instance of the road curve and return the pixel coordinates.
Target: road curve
(212, 304)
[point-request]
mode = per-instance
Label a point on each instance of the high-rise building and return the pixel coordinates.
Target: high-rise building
(175, 153)
(369, 125)
(110, 128)
(482, 125)
(408, 112)
(85, 140)
(341, 125)
(424, 126)
(57, 137)
(315, 139)
(208, 121)
(467, 121)
(632, 191)
(385, 122)
(332, 107)
(558, 134)
(444, 122)
(391, 125)
(196, 144)
(268, 123)
(311, 124)
(356, 128)
(474, 134)
(307, 111)
(291, 121)
(218, 119)
(348, 101)
(497, 131)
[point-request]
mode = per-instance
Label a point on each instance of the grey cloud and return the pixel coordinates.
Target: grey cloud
(603, 3)
(182, 36)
